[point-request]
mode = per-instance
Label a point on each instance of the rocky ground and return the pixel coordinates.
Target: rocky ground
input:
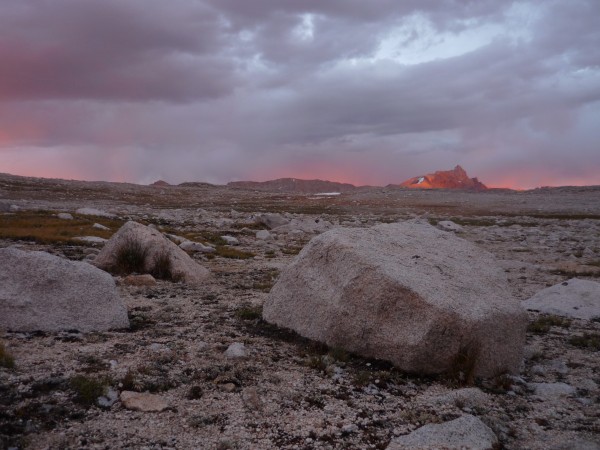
(278, 390)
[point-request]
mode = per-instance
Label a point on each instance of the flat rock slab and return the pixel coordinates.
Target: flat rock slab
(142, 401)
(408, 293)
(575, 298)
(40, 291)
(466, 432)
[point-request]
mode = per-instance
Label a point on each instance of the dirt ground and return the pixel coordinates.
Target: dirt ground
(288, 392)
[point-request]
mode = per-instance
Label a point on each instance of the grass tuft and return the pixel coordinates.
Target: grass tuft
(87, 390)
(6, 359)
(249, 312)
(544, 323)
(462, 368)
(232, 253)
(130, 258)
(588, 340)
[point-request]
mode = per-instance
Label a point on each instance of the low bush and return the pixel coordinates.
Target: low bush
(130, 257)
(544, 323)
(6, 359)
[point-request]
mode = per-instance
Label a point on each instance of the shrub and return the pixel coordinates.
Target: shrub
(462, 368)
(6, 359)
(249, 312)
(544, 323)
(162, 268)
(588, 340)
(130, 258)
(87, 390)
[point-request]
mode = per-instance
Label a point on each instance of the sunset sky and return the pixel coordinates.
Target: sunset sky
(367, 92)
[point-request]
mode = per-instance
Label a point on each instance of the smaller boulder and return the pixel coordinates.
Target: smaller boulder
(264, 235)
(65, 216)
(141, 249)
(99, 226)
(94, 212)
(230, 240)
(196, 247)
(448, 225)
(272, 220)
(139, 280)
(236, 350)
(466, 432)
(575, 298)
(143, 401)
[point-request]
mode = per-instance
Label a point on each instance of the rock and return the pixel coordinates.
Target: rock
(251, 399)
(65, 216)
(407, 293)
(272, 220)
(448, 225)
(39, 291)
(466, 397)
(230, 240)
(109, 399)
(236, 350)
(466, 432)
(177, 239)
(196, 247)
(99, 226)
(14, 208)
(94, 212)
(139, 280)
(90, 239)
(142, 401)
(264, 235)
(549, 391)
(157, 245)
(575, 298)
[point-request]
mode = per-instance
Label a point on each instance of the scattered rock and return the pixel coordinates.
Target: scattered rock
(264, 235)
(143, 401)
(236, 350)
(90, 239)
(157, 245)
(448, 225)
(407, 293)
(469, 397)
(196, 247)
(272, 220)
(574, 298)
(139, 280)
(94, 212)
(551, 391)
(109, 399)
(39, 291)
(230, 240)
(466, 432)
(65, 216)
(99, 226)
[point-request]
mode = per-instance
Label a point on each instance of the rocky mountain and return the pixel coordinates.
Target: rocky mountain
(160, 183)
(293, 185)
(445, 179)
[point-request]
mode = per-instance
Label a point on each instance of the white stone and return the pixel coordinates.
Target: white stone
(575, 298)
(40, 291)
(407, 293)
(264, 235)
(448, 225)
(551, 391)
(236, 350)
(143, 401)
(99, 226)
(90, 239)
(65, 216)
(196, 247)
(466, 432)
(93, 212)
(230, 240)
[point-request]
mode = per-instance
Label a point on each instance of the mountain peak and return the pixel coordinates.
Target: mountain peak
(456, 178)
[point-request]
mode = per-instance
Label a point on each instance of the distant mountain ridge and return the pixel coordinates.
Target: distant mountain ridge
(456, 178)
(291, 185)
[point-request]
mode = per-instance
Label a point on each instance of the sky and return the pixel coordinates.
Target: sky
(366, 92)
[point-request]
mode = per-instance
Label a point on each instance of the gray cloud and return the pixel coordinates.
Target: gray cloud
(373, 92)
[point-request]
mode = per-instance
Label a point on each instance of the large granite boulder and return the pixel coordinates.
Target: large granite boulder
(575, 298)
(159, 256)
(424, 299)
(40, 291)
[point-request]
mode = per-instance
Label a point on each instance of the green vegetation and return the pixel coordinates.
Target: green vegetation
(249, 312)
(45, 228)
(6, 359)
(232, 253)
(87, 389)
(544, 323)
(588, 340)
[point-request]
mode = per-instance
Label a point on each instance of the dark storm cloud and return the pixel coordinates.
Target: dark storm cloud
(223, 89)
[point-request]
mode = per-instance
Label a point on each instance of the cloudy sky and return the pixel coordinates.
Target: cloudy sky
(368, 92)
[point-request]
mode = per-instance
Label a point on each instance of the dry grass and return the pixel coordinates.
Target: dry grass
(6, 359)
(544, 323)
(45, 228)
(232, 253)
